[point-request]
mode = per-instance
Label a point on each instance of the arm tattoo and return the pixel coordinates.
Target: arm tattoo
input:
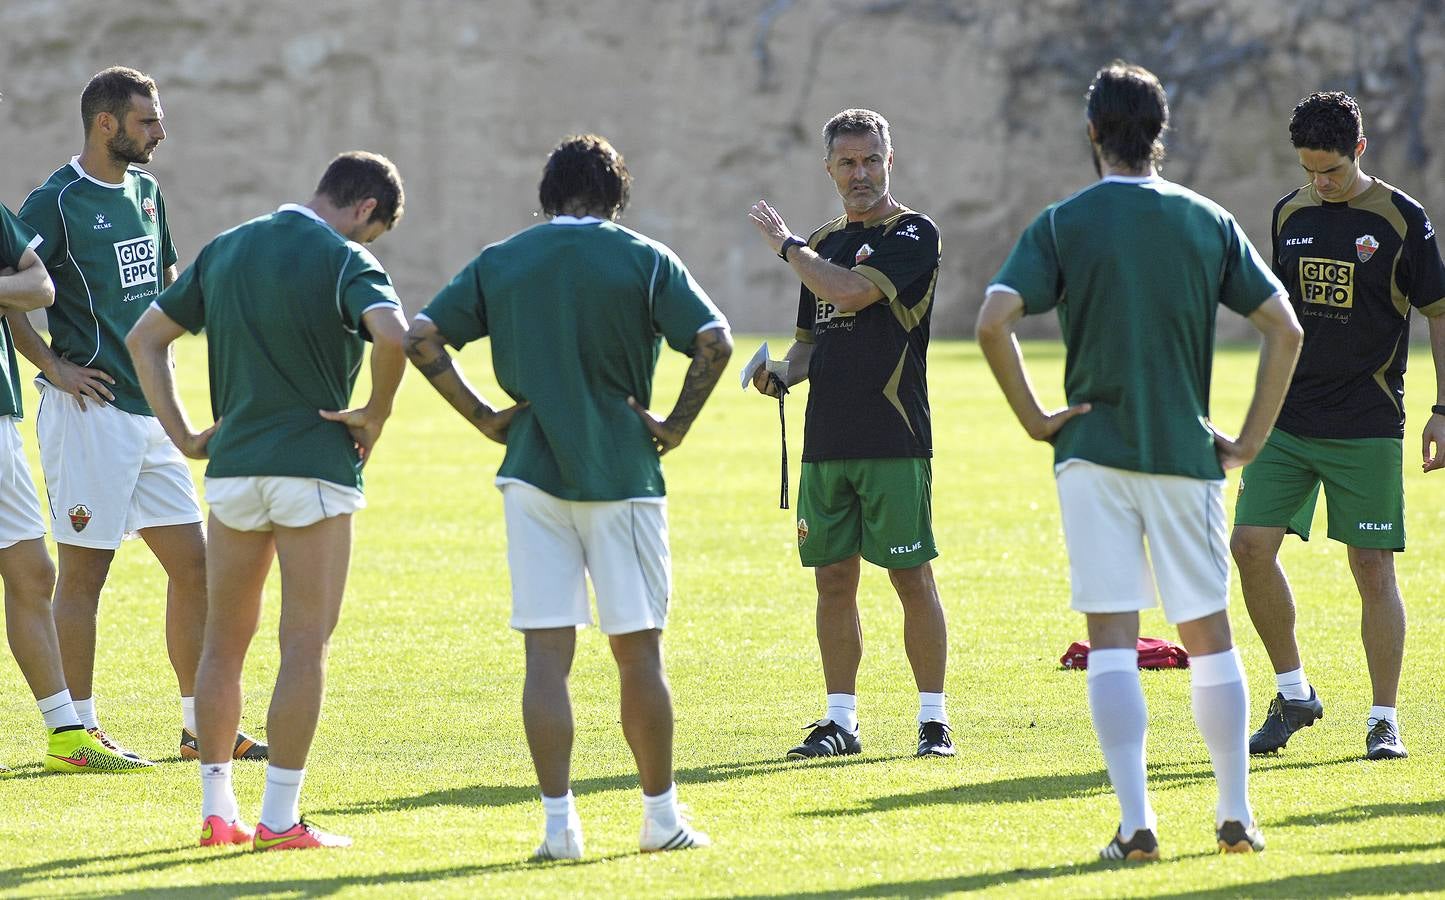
(710, 355)
(436, 367)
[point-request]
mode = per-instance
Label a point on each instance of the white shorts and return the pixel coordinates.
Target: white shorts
(1109, 514)
(257, 502)
(19, 506)
(554, 546)
(109, 473)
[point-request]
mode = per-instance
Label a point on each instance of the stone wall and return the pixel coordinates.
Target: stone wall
(715, 103)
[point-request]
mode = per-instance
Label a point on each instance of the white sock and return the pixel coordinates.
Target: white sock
(1221, 710)
(662, 809)
(1116, 701)
(1383, 712)
(843, 710)
(188, 713)
(218, 798)
(1293, 684)
(931, 708)
(58, 710)
(281, 804)
(85, 709)
(561, 813)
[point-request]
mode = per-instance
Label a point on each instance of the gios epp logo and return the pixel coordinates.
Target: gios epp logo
(79, 516)
(136, 259)
(802, 531)
(1328, 282)
(1365, 247)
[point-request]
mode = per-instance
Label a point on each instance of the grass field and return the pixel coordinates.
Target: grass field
(421, 757)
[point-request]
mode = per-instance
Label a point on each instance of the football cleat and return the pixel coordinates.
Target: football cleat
(565, 844)
(246, 747)
(78, 750)
(826, 739)
(1234, 837)
(1142, 847)
(112, 746)
(301, 836)
(217, 832)
(679, 836)
(1383, 741)
(934, 740)
(1283, 719)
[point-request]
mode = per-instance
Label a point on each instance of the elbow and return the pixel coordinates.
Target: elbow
(989, 331)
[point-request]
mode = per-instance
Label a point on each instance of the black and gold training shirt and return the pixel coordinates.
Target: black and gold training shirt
(1353, 270)
(868, 394)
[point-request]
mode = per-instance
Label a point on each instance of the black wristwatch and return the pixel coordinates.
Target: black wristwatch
(1438, 410)
(791, 240)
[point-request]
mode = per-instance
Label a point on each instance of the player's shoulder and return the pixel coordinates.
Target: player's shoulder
(51, 187)
(827, 228)
(1410, 208)
(911, 223)
(143, 177)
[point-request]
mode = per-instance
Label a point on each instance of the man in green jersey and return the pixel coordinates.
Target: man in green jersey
(864, 308)
(110, 473)
(1135, 455)
(25, 567)
(1356, 255)
(286, 301)
(577, 309)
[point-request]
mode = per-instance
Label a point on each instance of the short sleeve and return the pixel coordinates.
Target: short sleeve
(15, 238)
(807, 315)
(457, 310)
(42, 214)
(1422, 274)
(1247, 280)
(168, 249)
(184, 300)
(680, 307)
(908, 252)
(1032, 268)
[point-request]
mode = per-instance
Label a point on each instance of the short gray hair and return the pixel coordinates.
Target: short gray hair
(856, 121)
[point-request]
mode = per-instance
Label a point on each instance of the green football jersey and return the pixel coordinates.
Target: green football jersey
(281, 298)
(577, 310)
(1137, 268)
(107, 247)
(15, 239)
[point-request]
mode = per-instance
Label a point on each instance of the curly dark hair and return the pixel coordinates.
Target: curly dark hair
(584, 172)
(110, 91)
(1130, 114)
(1327, 120)
(359, 175)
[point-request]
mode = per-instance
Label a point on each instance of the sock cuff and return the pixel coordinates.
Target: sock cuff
(661, 801)
(216, 770)
(54, 701)
(845, 701)
(1214, 669)
(278, 775)
(1112, 659)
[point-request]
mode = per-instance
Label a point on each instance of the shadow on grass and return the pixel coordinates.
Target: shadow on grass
(82, 869)
(1368, 812)
(1394, 878)
(509, 794)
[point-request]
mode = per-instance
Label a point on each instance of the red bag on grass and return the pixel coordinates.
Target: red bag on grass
(1154, 653)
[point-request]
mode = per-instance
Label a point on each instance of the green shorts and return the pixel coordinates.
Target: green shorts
(881, 508)
(1364, 488)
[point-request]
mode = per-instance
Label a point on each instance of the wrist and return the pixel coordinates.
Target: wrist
(791, 240)
(1438, 409)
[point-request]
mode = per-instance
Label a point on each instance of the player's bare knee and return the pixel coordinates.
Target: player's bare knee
(1251, 549)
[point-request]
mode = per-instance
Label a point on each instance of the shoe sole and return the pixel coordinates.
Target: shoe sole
(1237, 847)
(941, 753)
(1389, 754)
(1142, 856)
(794, 754)
(1309, 724)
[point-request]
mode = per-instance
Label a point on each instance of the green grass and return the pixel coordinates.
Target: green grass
(420, 754)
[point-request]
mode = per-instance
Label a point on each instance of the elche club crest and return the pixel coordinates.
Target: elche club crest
(802, 531)
(79, 516)
(148, 206)
(863, 253)
(1365, 247)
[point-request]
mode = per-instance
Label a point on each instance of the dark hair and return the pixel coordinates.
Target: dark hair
(110, 91)
(1130, 114)
(358, 175)
(1327, 120)
(856, 121)
(584, 172)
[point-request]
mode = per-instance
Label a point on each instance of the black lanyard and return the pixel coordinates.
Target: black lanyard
(783, 430)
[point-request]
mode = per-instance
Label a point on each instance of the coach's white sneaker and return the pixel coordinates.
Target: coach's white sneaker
(675, 835)
(564, 844)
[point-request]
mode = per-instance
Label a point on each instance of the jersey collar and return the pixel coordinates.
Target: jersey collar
(573, 220)
(305, 211)
(75, 164)
(1132, 179)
